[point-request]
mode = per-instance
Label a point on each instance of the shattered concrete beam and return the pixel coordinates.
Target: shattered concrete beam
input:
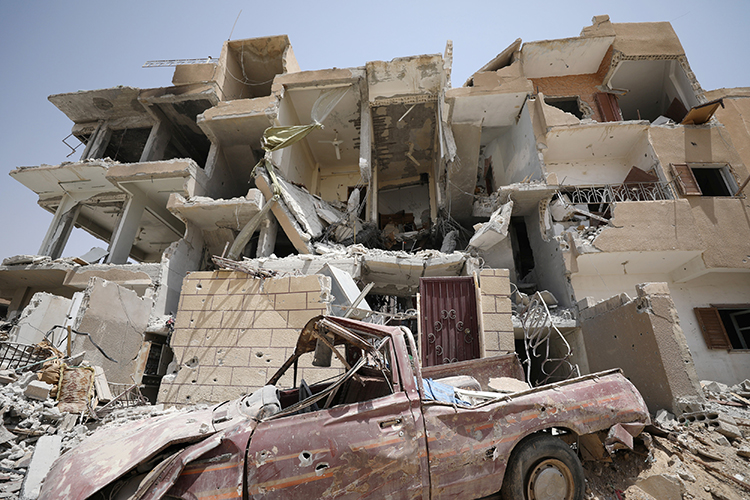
(299, 238)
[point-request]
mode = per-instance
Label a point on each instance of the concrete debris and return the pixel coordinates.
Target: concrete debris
(491, 233)
(665, 420)
(508, 385)
(38, 390)
(45, 453)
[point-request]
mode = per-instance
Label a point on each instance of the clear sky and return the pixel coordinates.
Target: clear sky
(56, 47)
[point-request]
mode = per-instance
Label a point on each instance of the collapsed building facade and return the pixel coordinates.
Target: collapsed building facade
(513, 213)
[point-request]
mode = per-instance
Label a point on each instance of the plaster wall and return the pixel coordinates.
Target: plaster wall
(229, 76)
(646, 39)
(405, 75)
(713, 288)
(514, 153)
(643, 156)
(643, 338)
(233, 331)
(735, 116)
(590, 172)
(335, 182)
(116, 318)
(293, 161)
(549, 265)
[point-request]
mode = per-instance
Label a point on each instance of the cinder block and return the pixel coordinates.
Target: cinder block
(184, 337)
(254, 337)
(485, 273)
(293, 301)
(233, 356)
(310, 283)
(37, 390)
(270, 319)
(243, 285)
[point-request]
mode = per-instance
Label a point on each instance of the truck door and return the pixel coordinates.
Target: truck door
(367, 446)
(448, 312)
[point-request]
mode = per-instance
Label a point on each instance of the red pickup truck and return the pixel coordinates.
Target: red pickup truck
(385, 428)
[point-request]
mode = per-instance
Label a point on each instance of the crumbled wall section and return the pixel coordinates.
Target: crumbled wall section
(642, 337)
(233, 331)
(495, 317)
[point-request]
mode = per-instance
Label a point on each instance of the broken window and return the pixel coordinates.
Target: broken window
(570, 105)
(725, 327)
(704, 180)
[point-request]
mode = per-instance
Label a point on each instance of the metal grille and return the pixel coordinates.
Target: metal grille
(611, 193)
(14, 355)
(539, 333)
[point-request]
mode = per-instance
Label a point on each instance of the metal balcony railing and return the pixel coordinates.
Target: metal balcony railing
(612, 193)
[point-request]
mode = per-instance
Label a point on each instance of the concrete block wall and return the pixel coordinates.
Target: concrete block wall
(233, 331)
(495, 312)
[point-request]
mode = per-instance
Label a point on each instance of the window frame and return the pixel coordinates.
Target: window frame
(713, 329)
(687, 184)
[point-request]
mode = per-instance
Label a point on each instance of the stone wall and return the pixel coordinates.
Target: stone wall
(233, 331)
(495, 314)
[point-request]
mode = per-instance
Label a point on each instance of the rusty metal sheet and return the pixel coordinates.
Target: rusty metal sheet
(450, 329)
(110, 453)
(469, 447)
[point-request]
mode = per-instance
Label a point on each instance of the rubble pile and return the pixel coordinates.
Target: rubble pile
(31, 420)
(699, 455)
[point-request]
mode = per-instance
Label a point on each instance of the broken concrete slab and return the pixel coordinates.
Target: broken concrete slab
(508, 385)
(46, 452)
(43, 312)
(38, 390)
(493, 232)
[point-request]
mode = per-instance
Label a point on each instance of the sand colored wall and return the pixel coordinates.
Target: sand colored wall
(642, 337)
(495, 313)
(647, 39)
(233, 331)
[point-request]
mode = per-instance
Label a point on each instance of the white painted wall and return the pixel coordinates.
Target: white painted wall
(514, 153)
(335, 183)
(714, 288)
(293, 161)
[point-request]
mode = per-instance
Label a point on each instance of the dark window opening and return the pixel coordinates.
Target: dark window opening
(126, 146)
(725, 327)
(567, 104)
(523, 257)
(711, 181)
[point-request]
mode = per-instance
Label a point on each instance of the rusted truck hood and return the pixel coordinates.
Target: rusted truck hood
(110, 453)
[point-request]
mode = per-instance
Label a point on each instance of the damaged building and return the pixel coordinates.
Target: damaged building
(577, 201)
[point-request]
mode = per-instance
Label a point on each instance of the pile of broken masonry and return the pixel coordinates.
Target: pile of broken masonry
(705, 453)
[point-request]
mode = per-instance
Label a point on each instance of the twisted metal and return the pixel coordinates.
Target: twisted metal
(539, 332)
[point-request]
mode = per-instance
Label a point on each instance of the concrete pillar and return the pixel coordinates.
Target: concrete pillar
(365, 150)
(21, 297)
(157, 142)
(60, 228)
(98, 142)
(126, 230)
(267, 236)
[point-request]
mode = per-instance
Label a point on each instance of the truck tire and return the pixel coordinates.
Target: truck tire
(543, 468)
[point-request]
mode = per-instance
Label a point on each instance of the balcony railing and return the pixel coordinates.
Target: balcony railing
(612, 193)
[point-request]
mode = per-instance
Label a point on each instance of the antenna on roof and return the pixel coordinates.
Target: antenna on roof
(162, 63)
(235, 24)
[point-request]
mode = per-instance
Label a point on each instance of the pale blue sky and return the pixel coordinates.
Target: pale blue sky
(49, 48)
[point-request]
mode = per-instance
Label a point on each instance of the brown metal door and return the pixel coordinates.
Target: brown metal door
(448, 310)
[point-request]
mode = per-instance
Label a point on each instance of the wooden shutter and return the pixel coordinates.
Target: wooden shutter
(685, 179)
(712, 328)
(609, 108)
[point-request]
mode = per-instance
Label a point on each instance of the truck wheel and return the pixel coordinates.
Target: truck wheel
(543, 468)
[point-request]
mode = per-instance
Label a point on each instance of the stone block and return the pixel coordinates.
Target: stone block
(270, 319)
(206, 319)
(231, 302)
(183, 319)
(506, 341)
(585, 303)
(237, 319)
(488, 304)
(308, 283)
(316, 299)
(196, 356)
(276, 285)
(499, 322)
(243, 285)
(495, 285)
(192, 394)
(291, 301)
(213, 375)
(652, 289)
(284, 337)
(254, 337)
(233, 356)
(250, 376)
(298, 319)
(258, 302)
(491, 342)
(37, 390)
(195, 302)
(502, 305)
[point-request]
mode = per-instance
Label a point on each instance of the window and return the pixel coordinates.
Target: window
(725, 327)
(568, 104)
(704, 180)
